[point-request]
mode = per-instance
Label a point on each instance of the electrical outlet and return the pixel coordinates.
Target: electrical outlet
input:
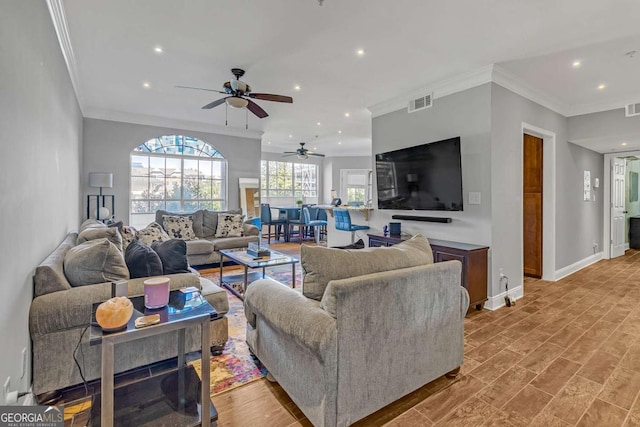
(5, 389)
(501, 273)
(24, 362)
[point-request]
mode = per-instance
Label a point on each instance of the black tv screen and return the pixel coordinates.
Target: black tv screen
(424, 177)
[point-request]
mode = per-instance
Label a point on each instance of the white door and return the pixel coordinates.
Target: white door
(617, 206)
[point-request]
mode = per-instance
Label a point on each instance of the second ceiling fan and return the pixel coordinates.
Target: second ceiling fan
(302, 153)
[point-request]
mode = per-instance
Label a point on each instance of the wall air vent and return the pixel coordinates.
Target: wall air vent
(424, 102)
(632, 110)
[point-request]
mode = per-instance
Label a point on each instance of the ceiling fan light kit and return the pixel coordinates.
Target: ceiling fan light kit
(239, 91)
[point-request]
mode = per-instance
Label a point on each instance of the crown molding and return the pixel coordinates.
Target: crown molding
(509, 81)
(59, 19)
(165, 122)
(596, 107)
(440, 89)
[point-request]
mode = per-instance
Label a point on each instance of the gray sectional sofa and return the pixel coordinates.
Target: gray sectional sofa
(371, 326)
(60, 313)
(202, 251)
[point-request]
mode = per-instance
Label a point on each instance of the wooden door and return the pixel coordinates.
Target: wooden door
(532, 206)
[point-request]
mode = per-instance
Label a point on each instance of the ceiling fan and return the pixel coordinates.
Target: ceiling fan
(302, 153)
(239, 93)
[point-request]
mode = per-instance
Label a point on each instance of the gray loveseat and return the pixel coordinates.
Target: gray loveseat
(373, 336)
(203, 250)
(60, 312)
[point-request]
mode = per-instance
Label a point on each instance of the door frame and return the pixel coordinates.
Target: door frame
(606, 200)
(548, 198)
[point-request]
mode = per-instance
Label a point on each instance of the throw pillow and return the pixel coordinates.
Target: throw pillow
(95, 261)
(230, 225)
(152, 233)
(210, 221)
(321, 265)
(173, 254)
(179, 227)
(142, 261)
(101, 233)
(128, 234)
(91, 223)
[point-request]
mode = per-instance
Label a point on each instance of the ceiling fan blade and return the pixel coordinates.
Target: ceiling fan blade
(256, 109)
(290, 152)
(199, 88)
(270, 97)
(214, 103)
(309, 153)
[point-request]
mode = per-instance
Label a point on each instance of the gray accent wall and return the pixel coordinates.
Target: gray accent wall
(578, 223)
(333, 166)
(605, 124)
(40, 136)
(108, 146)
(467, 115)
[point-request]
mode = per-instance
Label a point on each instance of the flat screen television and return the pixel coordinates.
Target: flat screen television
(424, 177)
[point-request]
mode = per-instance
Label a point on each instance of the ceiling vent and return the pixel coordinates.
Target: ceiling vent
(427, 101)
(632, 110)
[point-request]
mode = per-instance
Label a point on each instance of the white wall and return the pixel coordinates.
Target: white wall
(40, 138)
(108, 146)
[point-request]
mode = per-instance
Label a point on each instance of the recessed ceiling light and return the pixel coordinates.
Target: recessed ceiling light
(601, 86)
(290, 136)
(146, 85)
(297, 87)
(158, 49)
(623, 143)
(269, 142)
(339, 143)
(315, 148)
(360, 52)
(339, 131)
(576, 64)
(347, 114)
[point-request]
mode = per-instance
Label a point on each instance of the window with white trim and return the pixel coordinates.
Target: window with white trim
(176, 173)
(286, 179)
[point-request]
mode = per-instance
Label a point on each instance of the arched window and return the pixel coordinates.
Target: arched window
(176, 173)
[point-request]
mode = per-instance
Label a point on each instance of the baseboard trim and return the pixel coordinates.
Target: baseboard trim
(495, 302)
(576, 266)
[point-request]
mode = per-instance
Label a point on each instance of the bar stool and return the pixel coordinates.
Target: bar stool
(343, 223)
(313, 223)
(266, 219)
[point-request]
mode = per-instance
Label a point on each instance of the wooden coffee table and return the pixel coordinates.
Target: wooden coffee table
(241, 257)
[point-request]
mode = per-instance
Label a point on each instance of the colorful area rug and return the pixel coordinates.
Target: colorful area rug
(236, 365)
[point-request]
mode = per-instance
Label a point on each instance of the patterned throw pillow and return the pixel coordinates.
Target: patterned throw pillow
(128, 234)
(179, 227)
(230, 225)
(152, 233)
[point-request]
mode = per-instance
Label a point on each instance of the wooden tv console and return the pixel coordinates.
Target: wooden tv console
(474, 259)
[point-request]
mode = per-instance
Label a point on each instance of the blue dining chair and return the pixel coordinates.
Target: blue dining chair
(313, 223)
(266, 219)
(343, 223)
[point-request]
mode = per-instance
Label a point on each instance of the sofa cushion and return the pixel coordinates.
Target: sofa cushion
(110, 233)
(197, 219)
(152, 233)
(49, 276)
(230, 225)
(91, 223)
(199, 247)
(210, 221)
(95, 261)
(321, 265)
(142, 261)
(173, 254)
(179, 226)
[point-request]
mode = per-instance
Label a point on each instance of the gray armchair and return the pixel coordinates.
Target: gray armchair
(371, 339)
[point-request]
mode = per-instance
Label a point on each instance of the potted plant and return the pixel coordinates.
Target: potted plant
(299, 202)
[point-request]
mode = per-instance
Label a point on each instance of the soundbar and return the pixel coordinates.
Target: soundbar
(422, 218)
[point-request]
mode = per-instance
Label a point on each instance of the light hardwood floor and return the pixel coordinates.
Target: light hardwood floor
(567, 354)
